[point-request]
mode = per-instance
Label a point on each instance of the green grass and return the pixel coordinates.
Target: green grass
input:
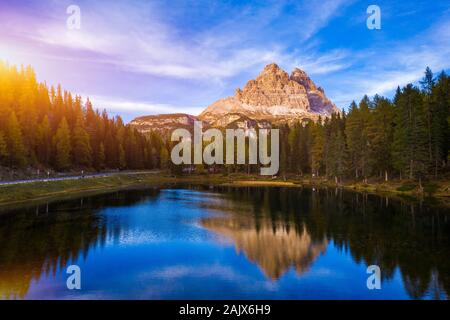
(407, 187)
(11, 194)
(69, 188)
(37, 190)
(430, 188)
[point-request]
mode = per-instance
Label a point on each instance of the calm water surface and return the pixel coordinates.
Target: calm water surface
(219, 243)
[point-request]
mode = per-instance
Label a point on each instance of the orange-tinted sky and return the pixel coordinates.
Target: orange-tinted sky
(146, 57)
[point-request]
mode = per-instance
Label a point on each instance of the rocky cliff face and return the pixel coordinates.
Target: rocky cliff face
(274, 97)
(164, 123)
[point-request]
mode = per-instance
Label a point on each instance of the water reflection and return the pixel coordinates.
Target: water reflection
(411, 236)
(275, 250)
(277, 229)
(41, 240)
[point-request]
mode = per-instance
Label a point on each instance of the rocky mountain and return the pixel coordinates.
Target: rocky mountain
(164, 122)
(274, 97)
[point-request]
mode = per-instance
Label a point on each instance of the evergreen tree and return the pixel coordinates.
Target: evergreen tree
(353, 134)
(44, 141)
(16, 149)
(410, 134)
(82, 153)
(284, 151)
(428, 84)
(63, 147)
(317, 147)
(440, 135)
(3, 148)
(380, 133)
(358, 143)
(164, 158)
(101, 157)
(122, 158)
(335, 148)
(293, 148)
(304, 158)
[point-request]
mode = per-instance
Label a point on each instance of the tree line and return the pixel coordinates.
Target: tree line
(406, 137)
(51, 128)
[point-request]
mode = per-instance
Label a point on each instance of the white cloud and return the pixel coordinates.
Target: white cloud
(142, 39)
(318, 13)
(317, 64)
(118, 105)
(138, 39)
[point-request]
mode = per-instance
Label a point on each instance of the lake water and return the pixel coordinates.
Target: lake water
(220, 243)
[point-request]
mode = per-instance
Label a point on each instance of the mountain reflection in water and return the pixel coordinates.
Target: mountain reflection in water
(274, 249)
(267, 242)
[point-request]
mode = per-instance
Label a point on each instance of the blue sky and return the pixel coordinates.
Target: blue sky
(147, 57)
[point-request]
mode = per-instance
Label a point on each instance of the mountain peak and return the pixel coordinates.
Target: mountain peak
(272, 67)
(297, 72)
(272, 73)
(302, 78)
(273, 97)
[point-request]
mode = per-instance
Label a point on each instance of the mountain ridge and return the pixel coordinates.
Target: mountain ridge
(273, 97)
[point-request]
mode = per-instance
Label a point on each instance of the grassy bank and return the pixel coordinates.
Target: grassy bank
(11, 194)
(19, 193)
(55, 189)
(438, 189)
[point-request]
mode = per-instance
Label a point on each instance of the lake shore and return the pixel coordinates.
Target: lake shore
(20, 193)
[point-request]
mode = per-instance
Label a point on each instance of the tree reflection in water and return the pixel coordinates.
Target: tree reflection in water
(277, 228)
(42, 239)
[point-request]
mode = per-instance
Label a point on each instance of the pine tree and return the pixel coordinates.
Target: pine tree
(101, 157)
(305, 149)
(122, 158)
(44, 141)
(293, 150)
(353, 134)
(284, 151)
(164, 158)
(356, 131)
(317, 147)
(16, 149)
(26, 111)
(335, 147)
(440, 135)
(82, 152)
(3, 148)
(380, 134)
(410, 134)
(63, 147)
(428, 84)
